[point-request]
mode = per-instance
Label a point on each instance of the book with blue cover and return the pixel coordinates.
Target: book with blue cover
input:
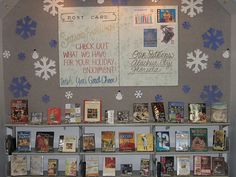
(162, 141)
(176, 111)
(23, 141)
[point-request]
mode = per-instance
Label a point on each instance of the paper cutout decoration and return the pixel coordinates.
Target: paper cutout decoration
(186, 89)
(218, 64)
(35, 54)
(19, 87)
(26, 27)
(52, 6)
(186, 25)
(53, 43)
(192, 7)
(119, 95)
(226, 54)
(46, 98)
(213, 39)
(6, 54)
(21, 56)
(138, 94)
(158, 98)
(211, 94)
(69, 95)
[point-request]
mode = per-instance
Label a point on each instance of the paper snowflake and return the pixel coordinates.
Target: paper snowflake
(6, 54)
(19, 87)
(213, 39)
(46, 98)
(119, 2)
(218, 64)
(155, 1)
(211, 94)
(26, 27)
(45, 68)
(138, 94)
(53, 43)
(69, 95)
(186, 25)
(186, 88)
(52, 6)
(158, 98)
(197, 62)
(192, 7)
(21, 56)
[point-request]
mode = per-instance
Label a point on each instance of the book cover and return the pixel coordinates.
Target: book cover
(144, 142)
(52, 167)
(92, 166)
(69, 144)
(167, 163)
(60, 143)
(110, 116)
(72, 113)
(123, 116)
(219, 140)
(140, 112)
(202, 165)
(88, 142)
(158, 111)
(70, 167)
(54, 116)
(181, 140)
(36, 118)
(44, 141)
(219, 166)
(162, 141)
(109, 166)
(198, 139)
(108, 141)
(197, 112)
(126, 141)
(36, 165)
(219, 112)
(144, 167)
(19, 111)
(183, 165)
(18, 165)
(126, 169)
(176, 111)
(23, 141)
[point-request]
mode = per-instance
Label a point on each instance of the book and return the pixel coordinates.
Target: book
(109, 166)
(54, 116)
(108, 141)
(167, 163)
(158, 111)
(181, 140)
(18, 165)
(162, 141)
(36, 165)
(19, 111)
(110, 116)
(144, 142)
(88, 142)
(176, 112)
(52, 167)
(72, 113)
(183, 165)
(60, 143)
(69, 144)
(44, 141)
(36, 118)
(126, 141)
(140, 112)
(92, 166)
(219, 112)
(126, 169)
(202, 165)
(197, 112)
(219, 140)
(219, 166)
(23, 141)
(70, 167)
(198, 139)
(144, 167)
(122, 116)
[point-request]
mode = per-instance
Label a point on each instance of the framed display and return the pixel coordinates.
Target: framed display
(92, 111)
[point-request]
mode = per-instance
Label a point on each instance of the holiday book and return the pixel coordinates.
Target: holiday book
(126, 141)
(44, 141)
(23, 141)
(198, 139)
(19, 111)
(162, 141)
(108, 141)
(176, 112)
(145, 142)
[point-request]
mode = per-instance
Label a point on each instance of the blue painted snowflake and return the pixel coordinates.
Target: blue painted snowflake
(26, 27)
(53, 43)
(119, 2)
(158, 98)
(213, 38)
(211, 94)
(19, 87)
(46, 98)
(186, 25)
(218, 64)
(186, 88)
(21, 56)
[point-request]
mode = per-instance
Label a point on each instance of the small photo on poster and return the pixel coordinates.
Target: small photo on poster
(166, 15)
(167, 34)
(150, 37)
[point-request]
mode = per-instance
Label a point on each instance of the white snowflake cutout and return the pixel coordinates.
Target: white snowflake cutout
(45, 68)
(119, 95)
(192, 7)
(6, 54)
(197, 61)
(138, 94)
(100, 1)
(69, 95)
(52, 6)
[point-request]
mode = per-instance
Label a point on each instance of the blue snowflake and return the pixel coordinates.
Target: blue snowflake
(186, 88)
(19, 87)
(21, 56)
(213, 38)
(158, 98)
(53, 43)
(211, 94)
(119, 2)
(26, 27)
(186, 25)
(218, 64)
(46, 98)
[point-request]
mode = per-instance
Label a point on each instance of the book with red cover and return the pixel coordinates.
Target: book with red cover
(44, 141)
(202, 165)
(126, 141)
(54, 115)
(19, 111)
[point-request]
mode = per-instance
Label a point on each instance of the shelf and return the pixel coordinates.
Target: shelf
(54, 152)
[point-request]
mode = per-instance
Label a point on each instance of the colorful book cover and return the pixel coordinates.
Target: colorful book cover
(123, 116)
(36, 165)
(52, 167)
(144, 167)
(72, 113)
(88, 142)
(60, 143)
(145, 142)
(19, 111)
(92, 166)
(167, 163)
(181, 140)
(219, 166)
(162, 141)
(219, 112)
(108, 141)
(18, 165)
(109, 166)
(176, 111)
(126, 141)
(70, 167)
(158, 111)
(69, 144)
(198, 139)
(23, 141)
(197, 112)
(183, 165)
(44, 141)
(140, 112)
(202, 165)
(219, 140)
(54, 116)
(126, 169)
(36, 118)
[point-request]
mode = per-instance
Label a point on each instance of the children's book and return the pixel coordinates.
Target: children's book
(92, 165)
(18, 165)
(36, 118)
(54, 116)
(202, 165)
(144, 167)
(19, 111)
(158, 111)
(176, 111)
(123, 116)
(109, 166)
(162, 141)
(44, 141)
(197, 112)
(181, 140)
(60, 143)
(126, 141)
(52, 167)
(126, 169)
(140, 112)
(198, 139)
(144, 142)
(219, 140)
(219, 112)
(71, 167)
(69, 144)
(219, 166)
(36, 165)
(72, 113)
(108, 143)
(23, 141)
(183, 165)
(88, 142)
(167, 163)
